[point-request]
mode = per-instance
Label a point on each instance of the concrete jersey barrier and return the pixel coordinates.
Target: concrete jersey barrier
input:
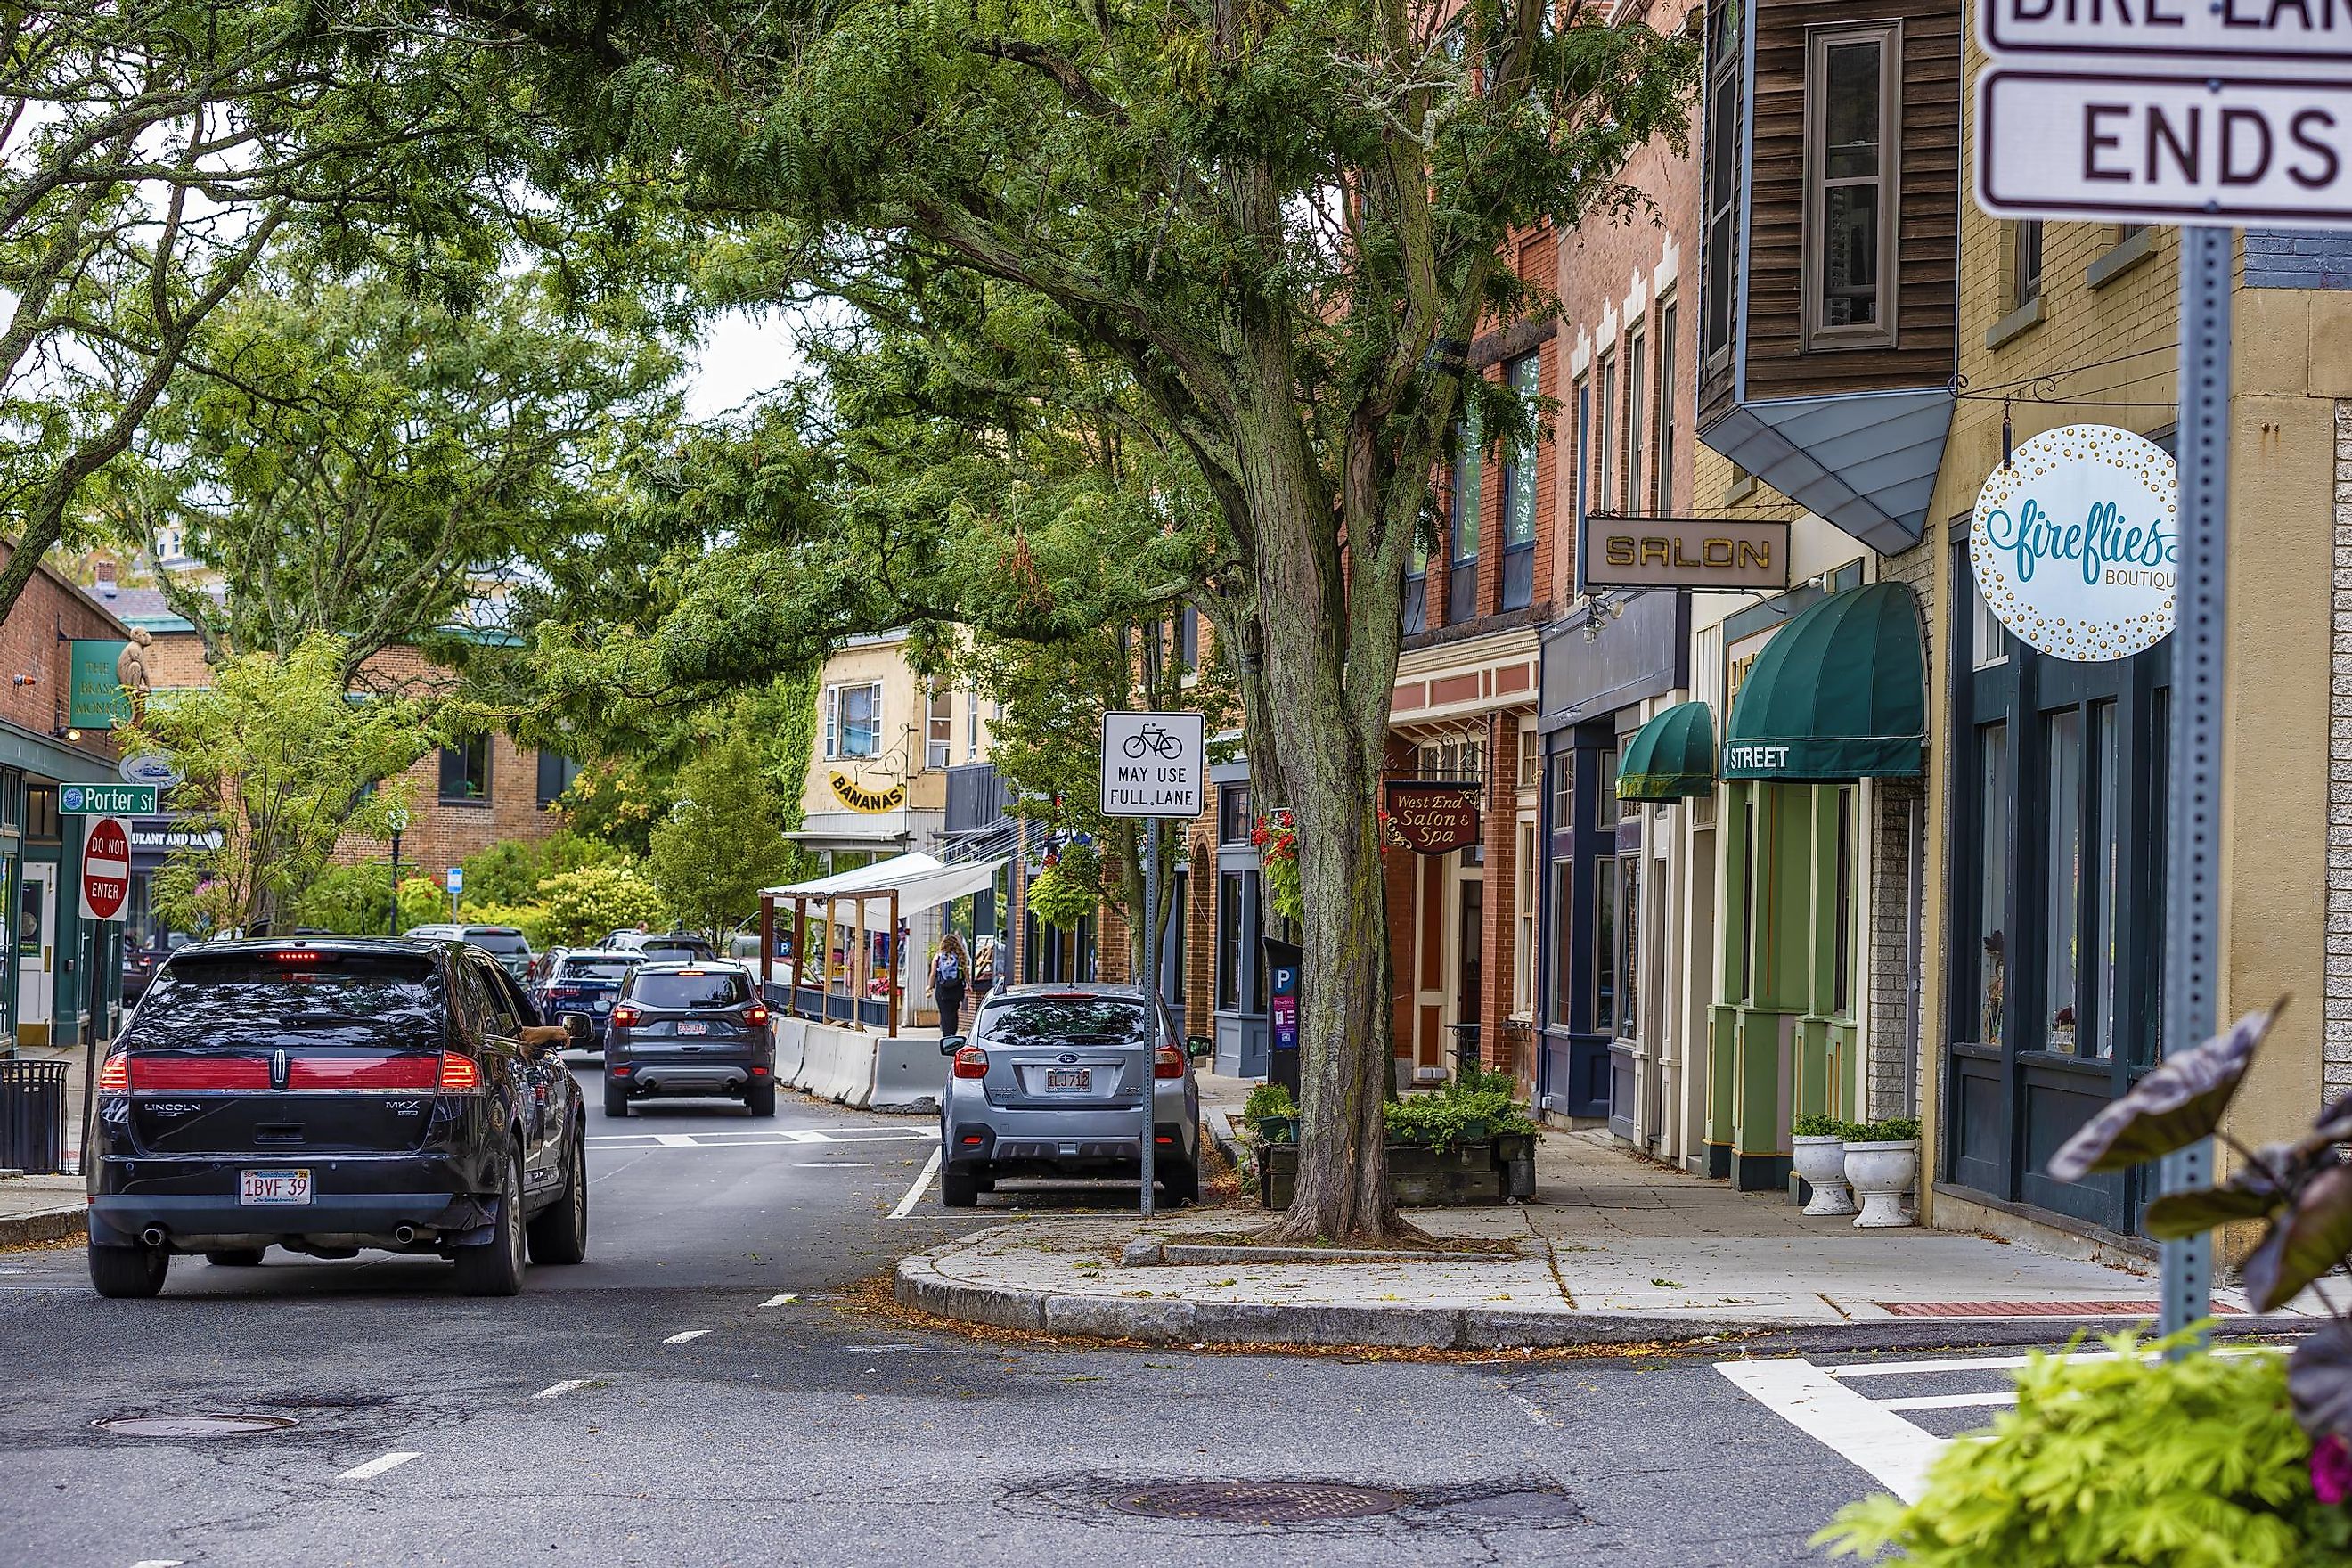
(791, 1047)
(819, 1050)
(909, 1074)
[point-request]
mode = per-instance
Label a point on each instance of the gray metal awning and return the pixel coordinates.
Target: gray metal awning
(1865, 460)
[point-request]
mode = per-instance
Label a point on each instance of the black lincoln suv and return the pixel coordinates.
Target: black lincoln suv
(328, 1094)
(690, 1029)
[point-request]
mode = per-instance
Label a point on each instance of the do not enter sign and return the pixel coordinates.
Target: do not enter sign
(105, 868)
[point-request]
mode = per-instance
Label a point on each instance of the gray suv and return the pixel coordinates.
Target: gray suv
(1050, 1082)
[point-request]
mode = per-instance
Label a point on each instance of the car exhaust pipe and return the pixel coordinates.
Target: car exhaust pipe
(154, 1236)
(405, 1235)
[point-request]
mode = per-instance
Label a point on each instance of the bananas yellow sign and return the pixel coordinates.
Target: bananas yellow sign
(858, 797)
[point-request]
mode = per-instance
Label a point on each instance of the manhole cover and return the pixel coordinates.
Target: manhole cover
(1259, 1502)
(193, 1425)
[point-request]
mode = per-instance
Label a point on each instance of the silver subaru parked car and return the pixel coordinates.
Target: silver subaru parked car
(1050, 1082)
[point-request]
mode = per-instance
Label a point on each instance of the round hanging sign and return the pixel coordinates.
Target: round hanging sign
(2075, 540)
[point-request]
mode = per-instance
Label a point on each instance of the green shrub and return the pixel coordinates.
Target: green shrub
(2126, 1462)
(583, 905)
(1894, 1130)
(1062, 898)
(1814, 1124)
(1453, 1116)
(1269, 1099)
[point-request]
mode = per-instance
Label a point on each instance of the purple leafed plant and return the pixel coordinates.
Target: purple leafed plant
(2302, 1190)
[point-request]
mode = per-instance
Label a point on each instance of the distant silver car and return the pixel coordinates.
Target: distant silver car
(1050, 1082)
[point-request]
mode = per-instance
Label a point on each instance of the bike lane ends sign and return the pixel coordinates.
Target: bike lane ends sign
(1153, 764)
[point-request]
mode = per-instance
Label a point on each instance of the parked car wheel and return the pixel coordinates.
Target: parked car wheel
(958, 1189)
(495, 1267)
(558, 1233)
(128, 1271)
(617, 1102)
(236, 1257)
(760, 1100)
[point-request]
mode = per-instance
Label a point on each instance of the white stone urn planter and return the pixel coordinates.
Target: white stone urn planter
(1881, 1174)
(1821, 1161)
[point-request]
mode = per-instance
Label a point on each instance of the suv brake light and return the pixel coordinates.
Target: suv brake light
(1167, 1061)
(755, 1014)
(459, 1075)
(114, 1077)
(627, 1015)
(971, 1062)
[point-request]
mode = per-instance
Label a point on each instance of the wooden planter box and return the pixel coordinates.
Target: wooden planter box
(1422, 1177)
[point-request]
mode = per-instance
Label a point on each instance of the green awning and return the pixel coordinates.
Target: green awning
(1840, 693)
(1671, 757)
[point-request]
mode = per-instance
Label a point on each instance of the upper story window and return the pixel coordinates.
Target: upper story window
(1526, 375)
(466, 769)
(1662, 499)
(1721, 238)
(2024, 263)
(1416, 589)
(853, 720)
(1234, 820)
(1851, 136)
(938, 728)
(1462, 572)
(41, 820)
(971, 727)
(1601, 464)
(1187, 636)
(1632, 499)
(555, 775)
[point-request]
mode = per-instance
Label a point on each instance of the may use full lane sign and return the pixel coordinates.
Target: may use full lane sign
(1153, 764)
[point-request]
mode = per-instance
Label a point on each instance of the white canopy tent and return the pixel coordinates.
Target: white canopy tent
(880, 896)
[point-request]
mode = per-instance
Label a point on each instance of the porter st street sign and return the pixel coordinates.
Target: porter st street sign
(106, 800)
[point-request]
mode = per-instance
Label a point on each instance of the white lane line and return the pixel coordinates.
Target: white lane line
(685, 1141)
(842, 1164)
(805, 1135)
(568, 1383)
(648, 1142)
(697, 1333)
(1989, 1362)
(787, 1299)
(1947, 1401)
(1861, 1431)
(377, 1466)
(922, 1182)
(157, 1563)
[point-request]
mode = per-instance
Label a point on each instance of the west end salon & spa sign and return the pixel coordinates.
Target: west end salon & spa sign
(2074, 541)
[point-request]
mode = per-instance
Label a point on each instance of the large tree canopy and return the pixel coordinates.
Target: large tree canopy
(1282, 222)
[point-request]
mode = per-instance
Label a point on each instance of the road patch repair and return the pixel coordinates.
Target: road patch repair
(1612, 1251)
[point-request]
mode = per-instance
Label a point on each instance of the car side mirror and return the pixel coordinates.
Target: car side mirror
(578, 1029)
(950, 1044)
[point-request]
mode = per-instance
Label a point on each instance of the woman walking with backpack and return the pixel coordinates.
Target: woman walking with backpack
(949, 967)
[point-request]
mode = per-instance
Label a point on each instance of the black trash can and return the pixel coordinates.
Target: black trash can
(33, 1116)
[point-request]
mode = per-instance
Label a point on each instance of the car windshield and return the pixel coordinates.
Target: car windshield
(377, 1000)
(690, 988)
(502, 941)
(594, 969)
(1045, 1020)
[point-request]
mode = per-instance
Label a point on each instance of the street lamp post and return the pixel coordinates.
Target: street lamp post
(399, 824)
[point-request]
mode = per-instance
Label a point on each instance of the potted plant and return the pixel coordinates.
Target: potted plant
(1820, 1144)
(1882, 1163)
(1271, 1112)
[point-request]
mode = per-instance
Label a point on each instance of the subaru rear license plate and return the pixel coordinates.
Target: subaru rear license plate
(277, 1187)
(693, 1028)
(1069, 1077)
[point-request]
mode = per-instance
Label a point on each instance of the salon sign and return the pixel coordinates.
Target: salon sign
(2074, 542)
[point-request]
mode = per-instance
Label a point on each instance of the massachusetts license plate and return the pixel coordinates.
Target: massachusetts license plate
(1069, 1077)
(692, 1028)
(273, 1186)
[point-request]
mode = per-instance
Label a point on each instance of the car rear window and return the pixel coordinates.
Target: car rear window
(594, 969)
(1033, 1021)
(499, 940)
(376, 1000)
(678, 949)
(686, 988)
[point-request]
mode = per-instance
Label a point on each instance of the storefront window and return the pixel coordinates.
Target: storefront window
(1563, 940)
(1229, 940)
(1629, 944)
(2107, 868)
(1842, 945)
(1742, 989)
(1563, 792)
(1605, 956)
(1992, 898)
(1523, 946)
(2062, 901)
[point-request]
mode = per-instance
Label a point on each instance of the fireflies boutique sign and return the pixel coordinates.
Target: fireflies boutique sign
(2075, 540)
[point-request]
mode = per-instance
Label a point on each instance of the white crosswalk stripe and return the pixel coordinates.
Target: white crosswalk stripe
(763, 1139)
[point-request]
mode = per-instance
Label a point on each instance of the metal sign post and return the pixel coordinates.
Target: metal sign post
(1153, 765)
(2192, 870)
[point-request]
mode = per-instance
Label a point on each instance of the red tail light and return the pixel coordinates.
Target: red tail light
(557, 992)
(1166, 1062)
(755, 1014)
(199, 1072)
(114, 1077)
(296, 956)
(459, 1075)
(626, 1017)
(364, 1072)
(971, 1062)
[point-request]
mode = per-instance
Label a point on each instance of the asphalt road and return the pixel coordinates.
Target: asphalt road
(691, 1395)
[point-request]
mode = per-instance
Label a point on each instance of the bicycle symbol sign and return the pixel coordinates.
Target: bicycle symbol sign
(1152, 764)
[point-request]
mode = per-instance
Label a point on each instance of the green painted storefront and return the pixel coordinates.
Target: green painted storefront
(62, 979)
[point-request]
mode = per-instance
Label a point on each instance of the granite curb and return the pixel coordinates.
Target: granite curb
(58, 1224)
(921, 1284)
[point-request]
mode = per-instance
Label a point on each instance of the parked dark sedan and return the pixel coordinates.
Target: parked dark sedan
(690, 1029)
(586, 980)
(330, 1094)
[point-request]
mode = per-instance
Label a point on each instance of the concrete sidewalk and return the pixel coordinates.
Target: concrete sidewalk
(1613, 1250)
(41, 1208)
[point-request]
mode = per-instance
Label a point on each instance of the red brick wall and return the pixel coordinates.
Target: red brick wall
(37, 668)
